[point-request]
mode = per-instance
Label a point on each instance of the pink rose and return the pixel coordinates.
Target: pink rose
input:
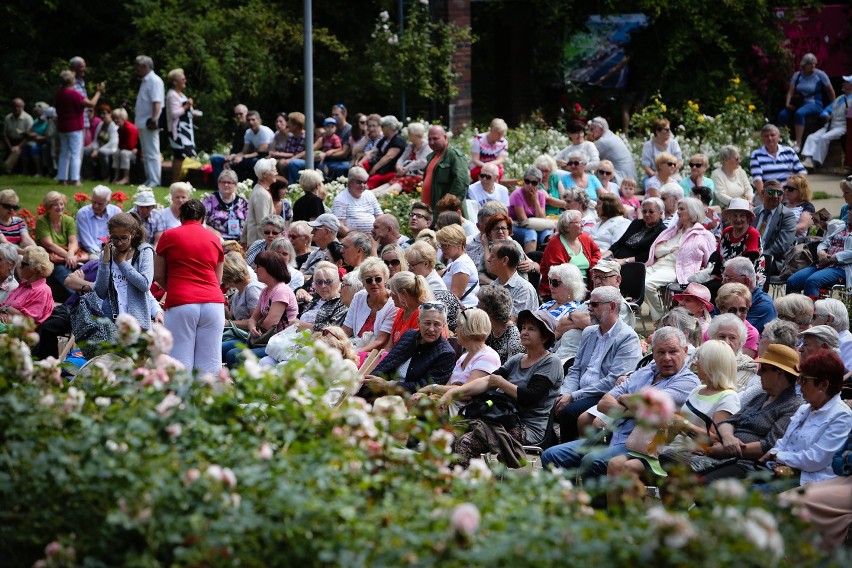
(465, 519)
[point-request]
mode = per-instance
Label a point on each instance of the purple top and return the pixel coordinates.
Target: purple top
(220, 213)
(517, 200)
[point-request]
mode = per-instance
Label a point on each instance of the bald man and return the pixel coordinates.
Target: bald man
(446, 171)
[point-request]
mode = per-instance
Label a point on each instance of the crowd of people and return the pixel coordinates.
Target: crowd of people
(487, 297)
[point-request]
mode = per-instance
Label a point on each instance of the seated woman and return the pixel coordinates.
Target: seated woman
(735, 298)
(819, 428)
(805, 96)
(661, 142)
(797, 309)
(526, 203)
(284, 247)
(567, 290)
(8, 262)
(382, 165)
(739, 238)
(275, 308)
(576, 199)
(532, 379)
(679, 251)
(551, 183)
(605, 172)
(611, 224)
(578, 178)
(797, 196)
(421, 357)
(752, 431)
(237, 275)
(477, 359)
(56, 231)
(730, 180)
(667, 167)
(461, 277)
(572, 246)
(272, 227)
(326, 308)
(226, 209)
(371, 314)
(698, 165)
(504, 338)
(635, 244)
(696, 300)
(577, 135)
(410, 164)
(833, 264)
(422, 258)
(489, 148)
(13, 229)
(126, 272)
(394, 258)
(712, 402)
(32, 298)
(408, 292)
(732, 330)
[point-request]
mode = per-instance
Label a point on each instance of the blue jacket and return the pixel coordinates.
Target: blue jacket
(139, 275)
(762, 310)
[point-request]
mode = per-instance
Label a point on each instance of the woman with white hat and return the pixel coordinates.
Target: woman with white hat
(739, 238)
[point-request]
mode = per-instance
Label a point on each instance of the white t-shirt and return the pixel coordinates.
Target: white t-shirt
(359, 311)
(263, 136)
(477, 193)
(169, 220)
(469, 228)
(120, 283)
(486, 360)
(357, 214)
(464, 265)
(150, 91)
(297, 279)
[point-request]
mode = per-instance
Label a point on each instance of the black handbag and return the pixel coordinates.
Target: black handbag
(493, 406)
(91, 328)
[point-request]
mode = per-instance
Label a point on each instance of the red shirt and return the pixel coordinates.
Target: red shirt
(192, 254)
(69, 110)
(128, 136)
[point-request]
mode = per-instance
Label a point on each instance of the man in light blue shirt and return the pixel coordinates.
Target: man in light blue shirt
(92, 221)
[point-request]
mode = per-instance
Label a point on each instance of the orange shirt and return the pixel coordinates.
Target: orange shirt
(426, 197)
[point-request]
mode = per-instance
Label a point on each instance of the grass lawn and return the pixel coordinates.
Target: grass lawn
(31, 190)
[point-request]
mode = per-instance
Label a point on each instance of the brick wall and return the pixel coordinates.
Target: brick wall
(458, 12)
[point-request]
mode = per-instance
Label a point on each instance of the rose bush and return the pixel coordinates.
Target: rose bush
(256, 468)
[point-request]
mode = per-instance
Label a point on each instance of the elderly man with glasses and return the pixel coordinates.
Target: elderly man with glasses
(775, 222)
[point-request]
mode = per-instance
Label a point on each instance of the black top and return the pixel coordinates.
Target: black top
(238, 141)
(308, 207)
(383, 146)
(636, 241)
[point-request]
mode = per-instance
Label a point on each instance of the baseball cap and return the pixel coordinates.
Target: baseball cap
(327, 220)
(607, 266)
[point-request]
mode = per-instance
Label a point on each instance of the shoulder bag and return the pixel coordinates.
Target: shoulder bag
(493, 406)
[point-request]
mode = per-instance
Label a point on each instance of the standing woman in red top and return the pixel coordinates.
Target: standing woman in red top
(188, 266)
(70, 106)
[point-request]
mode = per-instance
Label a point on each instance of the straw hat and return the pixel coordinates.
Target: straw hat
(781, 356)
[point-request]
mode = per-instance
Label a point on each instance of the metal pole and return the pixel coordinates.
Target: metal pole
(309, 88)
(403, 111)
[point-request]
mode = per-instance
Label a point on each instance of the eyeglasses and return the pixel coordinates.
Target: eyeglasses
(10, 207)
(425, 306)
(790, 188)
(805, 378)
(318, 282)
(500, 229)
(392, 262)
(374, 279)
(275, 233)
(122, 239)
(604, 173)
(693, 165)
(530, 181)
(484, 176)
(740, 310)
(574, 163)
(776, 192)
(226, 182)
(596, 304)
(599, 277)
(294, 237)
(414, 215)
(554, 283)
(671, 164)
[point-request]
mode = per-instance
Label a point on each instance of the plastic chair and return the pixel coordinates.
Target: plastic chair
(633, 288)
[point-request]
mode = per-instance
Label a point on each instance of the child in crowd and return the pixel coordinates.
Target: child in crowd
(328, 142)
(626, 192)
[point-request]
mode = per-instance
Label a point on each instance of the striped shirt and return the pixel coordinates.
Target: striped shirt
(13, 232)
(784, 164)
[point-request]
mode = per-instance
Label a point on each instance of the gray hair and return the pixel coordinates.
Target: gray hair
(565, 219)
(423, 312)
(276, 221)
(352, 280)
(727, 152)
(416, 129)
(796, 308)
(743, 267)
(101, 191)
(489, 209)
(265, 165)
(826, 334)
(769, 127)
(229, 174)
(729, 319)
(284, 245)
(695, 209)
(361, 241)
(496, 302)
(578, 195)
(808, 58)
(146, 61)
(9, 252)
(390, 121)
(680, 318)
(533, 172)
(836, 309)
(577, 155)
(301, 228)
(656, 201)
(608, 294)
(356, 171)
(75, 62)
(599, 121)
(667, 333)
(570, 275)
(778, 331)
(671, 189)
(545, 161)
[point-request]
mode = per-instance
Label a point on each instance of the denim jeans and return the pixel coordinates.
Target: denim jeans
(293, 169)
(525, 235)
(70, 156)
(591, 460)
(810, 280)
(567, 417)
(800, 114)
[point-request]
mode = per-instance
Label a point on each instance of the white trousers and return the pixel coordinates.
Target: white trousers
(70, 155)
(656, 280)
(816, 145)
(122, 160)
(149, 140)
(197, 332)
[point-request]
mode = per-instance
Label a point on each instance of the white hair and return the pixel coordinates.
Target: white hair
(744, 267)
(672, 189)
(608, 294)
(102, 191)
(836, 309)
(695, 209)
(727, 319)
(571, 277)
(146, 61)
(667, 333)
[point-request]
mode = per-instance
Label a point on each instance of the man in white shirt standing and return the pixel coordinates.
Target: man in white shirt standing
(149, 104)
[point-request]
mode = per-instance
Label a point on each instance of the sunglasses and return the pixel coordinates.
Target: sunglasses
(574, 163)
(413, 215)
(805, 378)
(392, 262)
(484, 176)
(275, 233)
(530, 181)
(554, 283)
(318, 282)
(671, 164)
(374, 279)
(776, 192)
(693, 165)
(10, 207)
(432, 306)
(732, 310)
(604, 173)
(790, 188)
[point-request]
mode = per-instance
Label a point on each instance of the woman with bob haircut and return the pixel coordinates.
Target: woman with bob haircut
(32, 298)
(611, 223)
(461, 277)
(569, 246)
(715, 398)
(372, 311)
(408, 291)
